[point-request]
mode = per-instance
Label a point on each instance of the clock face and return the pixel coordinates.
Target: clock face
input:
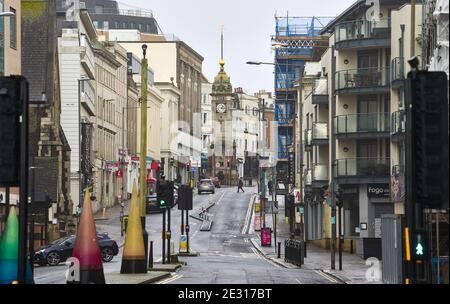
(221, 108)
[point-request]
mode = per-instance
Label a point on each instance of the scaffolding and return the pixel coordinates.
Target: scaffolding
(297, 38)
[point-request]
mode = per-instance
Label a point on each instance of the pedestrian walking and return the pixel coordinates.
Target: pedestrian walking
(240, 185)
(270, 186)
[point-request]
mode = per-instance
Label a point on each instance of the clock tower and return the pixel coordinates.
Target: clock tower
(222, 151)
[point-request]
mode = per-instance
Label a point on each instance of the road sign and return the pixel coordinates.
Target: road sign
(183, 243)
(266, 237)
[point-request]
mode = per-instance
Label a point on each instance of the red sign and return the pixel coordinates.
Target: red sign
(266, 237)
(119, 173)
(135, 158)
(154, 165)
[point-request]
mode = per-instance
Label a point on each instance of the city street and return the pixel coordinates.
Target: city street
(226, 254)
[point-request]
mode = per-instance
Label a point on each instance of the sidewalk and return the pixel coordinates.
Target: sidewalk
(354, 267)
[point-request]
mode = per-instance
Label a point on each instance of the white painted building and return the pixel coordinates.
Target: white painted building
(76, 62)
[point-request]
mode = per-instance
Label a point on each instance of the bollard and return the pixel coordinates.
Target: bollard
(279, 250)
(150, 255)
(351, 246)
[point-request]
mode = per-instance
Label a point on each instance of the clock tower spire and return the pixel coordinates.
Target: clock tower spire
(223, 160)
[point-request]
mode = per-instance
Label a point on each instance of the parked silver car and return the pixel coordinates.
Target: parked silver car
(206, 185)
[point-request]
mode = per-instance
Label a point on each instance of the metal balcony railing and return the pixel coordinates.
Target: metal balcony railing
(362, 78)
(122, 12)
(319, 130)
(362, 29)
(397, 69)
(320, 172)
(398, 122)
(363, 167)
(362, 123)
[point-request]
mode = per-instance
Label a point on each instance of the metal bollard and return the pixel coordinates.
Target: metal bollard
(279, 250)
(150, 255)
(351, 246)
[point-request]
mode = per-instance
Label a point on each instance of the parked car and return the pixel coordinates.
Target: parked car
(216, 182)
(60, 250)
(206, 185)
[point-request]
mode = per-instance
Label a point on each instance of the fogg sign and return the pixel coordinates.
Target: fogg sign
(378, 190)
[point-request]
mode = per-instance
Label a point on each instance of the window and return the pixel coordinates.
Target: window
(106, 25)
(96, 24)
(99, 9)
(116, 24)
(12, 29)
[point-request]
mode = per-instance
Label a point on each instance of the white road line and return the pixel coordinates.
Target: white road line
(329, 278)
(262, 257)
(173, 278)
(298, 281)
(248, 216)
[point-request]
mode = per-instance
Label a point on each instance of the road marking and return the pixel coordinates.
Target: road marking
(248, 216)
(220, 199)
(171, 279)
(328, 277)
(262, 257)
(298, 281)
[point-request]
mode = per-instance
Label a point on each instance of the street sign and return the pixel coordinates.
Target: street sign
(257, 223)
(298, 196)
(266, 237)
(183, 243)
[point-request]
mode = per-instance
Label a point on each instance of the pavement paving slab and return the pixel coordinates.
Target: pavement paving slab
(144, 278)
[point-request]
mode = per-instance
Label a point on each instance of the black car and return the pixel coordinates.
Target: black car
(60, 250)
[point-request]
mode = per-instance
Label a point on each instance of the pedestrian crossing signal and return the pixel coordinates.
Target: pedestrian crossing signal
(419, 245)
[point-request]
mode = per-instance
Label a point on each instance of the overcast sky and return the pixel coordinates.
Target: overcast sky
(248, 24)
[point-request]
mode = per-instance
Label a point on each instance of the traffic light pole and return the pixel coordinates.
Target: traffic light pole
(168, 235)
(333, 158)
(23, 204)
(163, 236)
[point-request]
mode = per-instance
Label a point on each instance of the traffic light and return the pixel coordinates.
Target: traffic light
(427, 138)
(419, 245)
(164, 193)
(13, 95)
(185, 194)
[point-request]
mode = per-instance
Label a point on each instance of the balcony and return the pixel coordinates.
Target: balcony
(397, 72)
(362, 170)
(319, 175)
(320, 91)
(307, 139)
(398, 123)
(363, 81)
(364, 126)
(308, 178)
(362, 34)
(87, 56)
(319, 134)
